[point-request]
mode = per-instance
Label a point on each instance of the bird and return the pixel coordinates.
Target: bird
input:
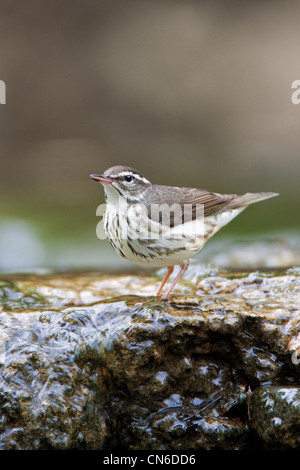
(164, 226)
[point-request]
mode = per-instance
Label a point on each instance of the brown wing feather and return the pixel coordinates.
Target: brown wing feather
(212, 202)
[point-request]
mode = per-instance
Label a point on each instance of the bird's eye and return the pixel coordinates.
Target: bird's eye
(128, 178)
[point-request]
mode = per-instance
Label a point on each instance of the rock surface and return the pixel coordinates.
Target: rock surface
(84, 365)
(276, 415)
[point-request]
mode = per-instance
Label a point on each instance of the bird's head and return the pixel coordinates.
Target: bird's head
(123, 181)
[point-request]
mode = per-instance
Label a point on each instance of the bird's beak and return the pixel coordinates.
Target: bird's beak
(102, 179)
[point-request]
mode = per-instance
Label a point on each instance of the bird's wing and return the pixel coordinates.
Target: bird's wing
(185, 203)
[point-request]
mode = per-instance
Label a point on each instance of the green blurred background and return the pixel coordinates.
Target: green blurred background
(192, 93)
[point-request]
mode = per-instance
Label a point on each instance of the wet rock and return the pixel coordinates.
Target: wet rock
(276, 415)
(84, 365)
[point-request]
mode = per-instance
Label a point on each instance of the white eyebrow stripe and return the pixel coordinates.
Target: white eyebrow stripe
(138, 177)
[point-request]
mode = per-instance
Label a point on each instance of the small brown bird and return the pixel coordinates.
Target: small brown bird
(164, 226)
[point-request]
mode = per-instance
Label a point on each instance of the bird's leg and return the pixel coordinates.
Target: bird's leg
(183, 269)
(168, 274)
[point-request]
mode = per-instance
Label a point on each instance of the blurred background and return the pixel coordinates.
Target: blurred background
(193, 93)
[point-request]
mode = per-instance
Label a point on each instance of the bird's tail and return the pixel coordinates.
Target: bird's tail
(249, 198)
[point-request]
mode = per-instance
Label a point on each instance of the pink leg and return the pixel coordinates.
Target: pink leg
(170, 270)
(179, 275)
